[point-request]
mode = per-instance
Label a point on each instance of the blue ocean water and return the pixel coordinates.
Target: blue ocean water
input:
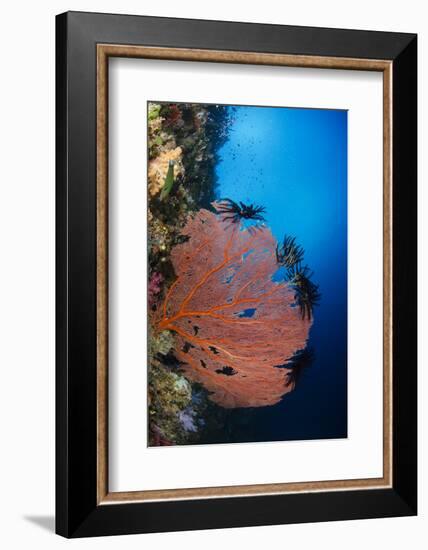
(294, 163)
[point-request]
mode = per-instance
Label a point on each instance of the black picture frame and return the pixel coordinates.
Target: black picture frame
(77, 512)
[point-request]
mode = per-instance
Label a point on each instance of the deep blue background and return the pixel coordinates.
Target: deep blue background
(294, 162)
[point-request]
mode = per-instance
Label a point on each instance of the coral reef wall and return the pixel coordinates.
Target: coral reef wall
(183, 144)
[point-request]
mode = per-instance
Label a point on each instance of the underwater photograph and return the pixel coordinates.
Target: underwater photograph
(247, 274)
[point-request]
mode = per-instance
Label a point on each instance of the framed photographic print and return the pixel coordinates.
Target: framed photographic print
(236, 274)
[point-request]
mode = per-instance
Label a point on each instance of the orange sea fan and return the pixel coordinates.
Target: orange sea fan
(233, 324)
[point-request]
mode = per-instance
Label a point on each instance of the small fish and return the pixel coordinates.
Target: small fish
(169, 181)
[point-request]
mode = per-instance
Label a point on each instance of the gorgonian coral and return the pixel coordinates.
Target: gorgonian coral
(233, 324)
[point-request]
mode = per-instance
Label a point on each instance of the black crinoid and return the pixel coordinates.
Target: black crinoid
(289, 254)
(234, 212)
(306, 292)
(300, 361)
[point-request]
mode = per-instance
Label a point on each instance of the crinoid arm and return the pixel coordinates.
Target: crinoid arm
(289, 254)
(260, 210)
(227, 206)
(306, 293)
(301, 360)
(239, 211)
(252, 212)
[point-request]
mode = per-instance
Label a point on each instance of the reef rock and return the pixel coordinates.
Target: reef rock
(158, 169)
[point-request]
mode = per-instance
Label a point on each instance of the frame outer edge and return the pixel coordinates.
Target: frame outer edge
(61, 268)
(77, 513)
(264, 37)
(405, 274)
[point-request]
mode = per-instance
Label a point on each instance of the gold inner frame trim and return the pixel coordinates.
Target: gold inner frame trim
(104, 51)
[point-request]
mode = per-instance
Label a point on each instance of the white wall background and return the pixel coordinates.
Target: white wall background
(27, 272)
